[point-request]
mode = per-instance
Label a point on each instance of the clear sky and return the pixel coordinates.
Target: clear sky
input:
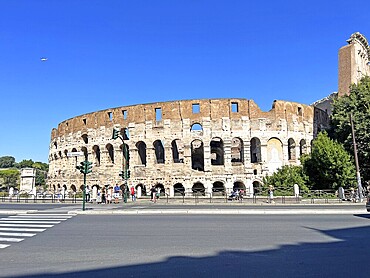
(112, 53)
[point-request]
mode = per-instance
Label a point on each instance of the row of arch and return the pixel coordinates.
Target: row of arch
(218, 188)
(216, 145)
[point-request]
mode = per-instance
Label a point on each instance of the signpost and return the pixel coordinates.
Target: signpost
(71, 154)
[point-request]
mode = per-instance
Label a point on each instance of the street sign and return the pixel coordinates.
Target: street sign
(70, 154)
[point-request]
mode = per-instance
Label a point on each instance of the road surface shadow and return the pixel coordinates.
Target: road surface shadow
(347, 256)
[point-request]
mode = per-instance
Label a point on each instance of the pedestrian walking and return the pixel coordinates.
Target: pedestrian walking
(116, 193)
(133, 193)
(103, 196)
(271, 194)
(87, 194)
(152, 194)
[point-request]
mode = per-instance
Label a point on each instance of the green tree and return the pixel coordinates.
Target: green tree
(284, 179)
(25, 163)
(7, 162)
(329, 166)
(356, 103)
(10, 177)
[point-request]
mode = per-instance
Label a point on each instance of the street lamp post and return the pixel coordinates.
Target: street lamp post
(125, 172)
(356, 160)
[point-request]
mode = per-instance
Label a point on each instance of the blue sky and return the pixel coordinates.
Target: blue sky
(112, 53)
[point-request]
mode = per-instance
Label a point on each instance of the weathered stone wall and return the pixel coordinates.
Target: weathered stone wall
(239, 142)
(354, 61)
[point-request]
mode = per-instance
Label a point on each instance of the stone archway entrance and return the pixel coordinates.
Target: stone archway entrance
(218, 189)
(198, 188)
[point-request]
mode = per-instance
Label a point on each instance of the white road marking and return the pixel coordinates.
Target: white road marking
(22, 230)
(41, 216)
(11, 239)
(18, 234)
(26, 225)
(36, 219)
(14, 228)
(46, 214)
(12, 221)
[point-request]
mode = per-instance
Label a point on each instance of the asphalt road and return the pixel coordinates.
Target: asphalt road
(194, 246)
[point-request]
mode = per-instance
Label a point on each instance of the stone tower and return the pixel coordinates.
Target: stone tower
(354, 62)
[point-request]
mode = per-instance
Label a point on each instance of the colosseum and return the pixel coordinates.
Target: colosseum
(207, 146)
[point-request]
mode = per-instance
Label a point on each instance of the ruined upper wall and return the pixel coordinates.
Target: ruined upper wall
(354, 61)
(178, 110)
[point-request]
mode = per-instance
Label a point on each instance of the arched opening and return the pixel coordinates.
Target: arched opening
(178, 189)
(275, 154)
(238, 185)
(96, 150)
(255, 150)
(177, 151)
(302, 147)
(197, 155)
(196, 127)
(141, 150)
(159, 151)
(140, 190)
(291, 149)
(85, 138)
(84, 150)
(217, 151)
(237, 150)
(257, 187)
(218, 189)
(198, 188)
(110, 153)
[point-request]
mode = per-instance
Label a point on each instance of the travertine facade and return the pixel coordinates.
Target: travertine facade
(205, 145)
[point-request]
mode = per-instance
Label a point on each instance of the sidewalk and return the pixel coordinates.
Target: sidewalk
(202, 206)
(146, 207)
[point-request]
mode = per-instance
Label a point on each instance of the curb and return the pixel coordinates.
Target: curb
(218, 212)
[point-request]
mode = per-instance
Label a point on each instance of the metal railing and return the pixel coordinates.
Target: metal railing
(280, 196)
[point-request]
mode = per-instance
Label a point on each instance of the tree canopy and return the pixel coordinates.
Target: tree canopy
(329, 166)
(7, 161)
(284, 179)
(9, 177)
(356, 103)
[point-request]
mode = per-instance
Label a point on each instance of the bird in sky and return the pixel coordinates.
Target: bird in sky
(43, 59)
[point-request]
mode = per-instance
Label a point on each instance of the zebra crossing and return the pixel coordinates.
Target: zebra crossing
(16, 228)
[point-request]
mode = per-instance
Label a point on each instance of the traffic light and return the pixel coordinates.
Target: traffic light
(88, 167)
(85, 167)
(125, 134)
(128, 174)
(122, 175)
(115, 134)
(81, 168)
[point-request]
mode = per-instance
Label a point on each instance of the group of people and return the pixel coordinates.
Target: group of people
(155, 193)
(237, 194)
(108, 194)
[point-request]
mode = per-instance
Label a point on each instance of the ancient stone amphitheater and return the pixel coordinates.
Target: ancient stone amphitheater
(207, 146)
